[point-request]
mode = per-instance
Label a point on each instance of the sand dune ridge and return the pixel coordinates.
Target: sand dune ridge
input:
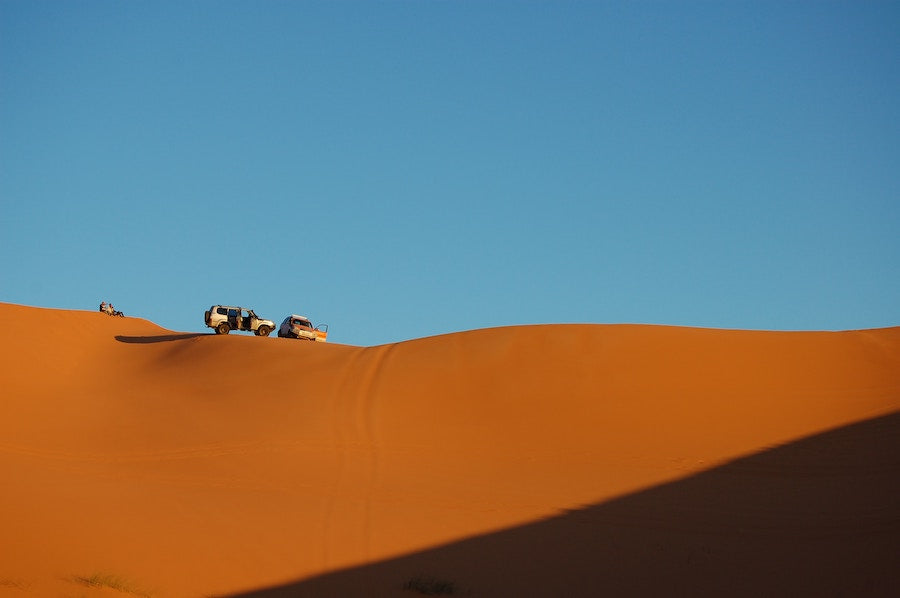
(192, 465)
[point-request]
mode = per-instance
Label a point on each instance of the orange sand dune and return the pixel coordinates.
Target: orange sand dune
(571, 460)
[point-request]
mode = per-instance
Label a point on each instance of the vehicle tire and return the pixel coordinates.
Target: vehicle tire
(263, 331)
(223, 328)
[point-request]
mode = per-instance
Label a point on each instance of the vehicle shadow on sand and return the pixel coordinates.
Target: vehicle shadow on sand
(160, 338)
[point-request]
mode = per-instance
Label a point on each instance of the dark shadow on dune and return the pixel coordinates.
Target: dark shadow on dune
(817, 517)
(160, 338)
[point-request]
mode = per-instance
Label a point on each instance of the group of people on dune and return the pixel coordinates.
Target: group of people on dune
(109, 310)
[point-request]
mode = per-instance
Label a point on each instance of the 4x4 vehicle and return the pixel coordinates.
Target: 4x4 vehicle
(225, 318)
(295, 326)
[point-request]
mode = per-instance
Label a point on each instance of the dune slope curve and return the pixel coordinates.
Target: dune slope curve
(142, 461)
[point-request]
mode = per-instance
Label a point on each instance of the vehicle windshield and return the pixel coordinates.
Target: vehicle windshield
(303, 323)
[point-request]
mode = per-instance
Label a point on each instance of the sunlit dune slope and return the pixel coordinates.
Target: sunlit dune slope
(140, 460)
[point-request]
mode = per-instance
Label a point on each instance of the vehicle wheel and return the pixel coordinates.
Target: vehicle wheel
(263, 331)
(223, 328)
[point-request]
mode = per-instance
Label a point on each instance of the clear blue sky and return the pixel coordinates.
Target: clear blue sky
(404, 169)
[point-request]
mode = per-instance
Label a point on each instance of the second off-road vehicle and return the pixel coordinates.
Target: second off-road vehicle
(295, 326)
(225, 318)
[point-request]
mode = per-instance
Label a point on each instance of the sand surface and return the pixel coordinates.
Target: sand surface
(570, 460)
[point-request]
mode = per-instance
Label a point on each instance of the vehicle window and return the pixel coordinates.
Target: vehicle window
(232, 312)
(221, 311)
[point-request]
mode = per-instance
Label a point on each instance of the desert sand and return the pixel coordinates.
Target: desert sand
(556, 460)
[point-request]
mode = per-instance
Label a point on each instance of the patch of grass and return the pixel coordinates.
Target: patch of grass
(120, 584)
(430, 586)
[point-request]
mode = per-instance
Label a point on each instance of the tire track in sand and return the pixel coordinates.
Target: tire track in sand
(354, 419)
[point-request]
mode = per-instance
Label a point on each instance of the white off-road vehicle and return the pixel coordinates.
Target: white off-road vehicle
(225, 318)
(295, 326)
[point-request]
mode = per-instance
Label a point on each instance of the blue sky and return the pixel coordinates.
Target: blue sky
(404, 169)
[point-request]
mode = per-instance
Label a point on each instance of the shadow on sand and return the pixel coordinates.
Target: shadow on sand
(161, 338)
(817, 517)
